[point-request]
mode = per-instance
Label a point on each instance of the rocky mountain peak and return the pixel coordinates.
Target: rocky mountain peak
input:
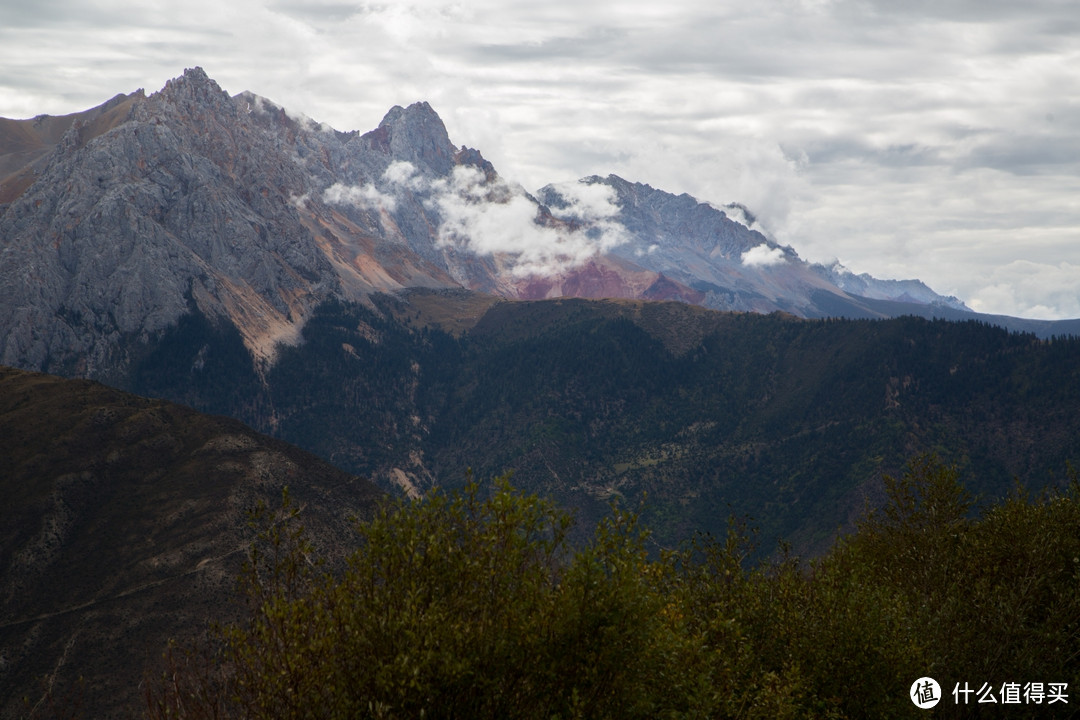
(415, 134)
(195, 93)
(193, 78)
(194, 81)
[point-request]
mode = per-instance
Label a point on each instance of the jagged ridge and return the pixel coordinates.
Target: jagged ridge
(117, 221)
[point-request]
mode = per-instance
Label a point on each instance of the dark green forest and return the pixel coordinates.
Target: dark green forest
(791, 422)
(475, 604)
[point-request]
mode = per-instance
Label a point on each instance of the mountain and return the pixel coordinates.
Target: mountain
(118, 221)
(188, 198)
(124, 526)
(864, 285)
(724, 264)
(219, 251)
(206, 248)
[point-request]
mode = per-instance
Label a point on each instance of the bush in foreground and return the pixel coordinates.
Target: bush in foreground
(475, 605)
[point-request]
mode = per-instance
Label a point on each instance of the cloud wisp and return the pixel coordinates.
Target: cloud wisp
(368, 197)
(763, 256)
(488, 216)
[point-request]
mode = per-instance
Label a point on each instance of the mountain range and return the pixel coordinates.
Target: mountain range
(340, 290)
(117, 221)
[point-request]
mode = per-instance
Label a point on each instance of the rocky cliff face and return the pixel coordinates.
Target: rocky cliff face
(126, 228)
(192, 198)
(117, 221)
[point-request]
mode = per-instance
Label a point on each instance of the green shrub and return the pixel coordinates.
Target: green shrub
(476, 605)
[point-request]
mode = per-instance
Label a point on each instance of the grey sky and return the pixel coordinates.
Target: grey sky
(938, 140)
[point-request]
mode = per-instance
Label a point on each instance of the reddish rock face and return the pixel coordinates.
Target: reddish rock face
(667, 289)
(537, 288)
(595, 279)
(605, 278)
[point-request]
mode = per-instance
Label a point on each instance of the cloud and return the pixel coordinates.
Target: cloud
(762, 256)
(1037, 290)
(398, 176)
(364, 196)
(402, 173)
(584, 201)
(489, 217)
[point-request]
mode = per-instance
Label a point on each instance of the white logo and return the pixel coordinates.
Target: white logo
(925, 693)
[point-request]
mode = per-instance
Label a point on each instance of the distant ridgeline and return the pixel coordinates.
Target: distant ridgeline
(698, 414)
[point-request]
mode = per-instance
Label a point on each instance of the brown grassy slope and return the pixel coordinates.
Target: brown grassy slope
(123, 523)
(24, 142)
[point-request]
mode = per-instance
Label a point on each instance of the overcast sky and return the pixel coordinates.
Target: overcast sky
(932, 139)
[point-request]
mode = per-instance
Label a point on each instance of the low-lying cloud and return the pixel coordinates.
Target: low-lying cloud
(489, 217)
(762, 256)
(366, 196)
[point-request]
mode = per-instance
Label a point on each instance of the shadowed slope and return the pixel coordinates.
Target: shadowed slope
(123, 524)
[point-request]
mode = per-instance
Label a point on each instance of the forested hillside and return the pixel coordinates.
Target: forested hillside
(700, 414)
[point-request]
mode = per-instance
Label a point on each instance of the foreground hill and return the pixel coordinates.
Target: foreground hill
(465, 606)
(123, 525)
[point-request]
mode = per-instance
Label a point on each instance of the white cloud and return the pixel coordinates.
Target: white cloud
(489, 217)
(399, 175)
(403, 173)
(1037, 290)
(365, 196)
(587, 202)
(762, 256)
